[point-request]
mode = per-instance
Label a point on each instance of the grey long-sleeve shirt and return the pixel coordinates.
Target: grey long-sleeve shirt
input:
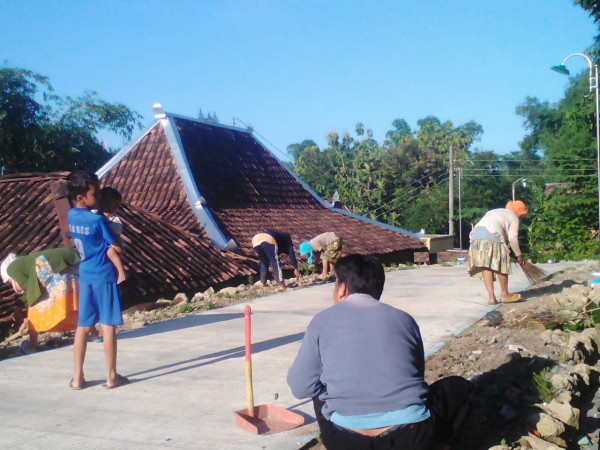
(361, 356)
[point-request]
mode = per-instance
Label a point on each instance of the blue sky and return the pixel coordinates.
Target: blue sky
(300, 69)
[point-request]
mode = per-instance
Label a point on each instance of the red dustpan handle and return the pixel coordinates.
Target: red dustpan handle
(248, 328)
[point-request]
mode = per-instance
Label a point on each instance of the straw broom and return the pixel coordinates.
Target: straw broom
(533, 273)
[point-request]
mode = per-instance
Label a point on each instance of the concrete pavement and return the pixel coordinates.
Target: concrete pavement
(187, 375)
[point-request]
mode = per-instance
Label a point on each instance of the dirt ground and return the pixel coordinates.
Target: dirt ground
(499, 354)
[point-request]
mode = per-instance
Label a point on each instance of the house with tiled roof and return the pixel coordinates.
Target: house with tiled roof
(221, 180)
(161, 258)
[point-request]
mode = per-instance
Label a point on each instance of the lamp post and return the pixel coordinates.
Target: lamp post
(460, 169)
(593, 77)
(523, 183)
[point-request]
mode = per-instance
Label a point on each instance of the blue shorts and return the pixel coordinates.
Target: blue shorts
(99, 302)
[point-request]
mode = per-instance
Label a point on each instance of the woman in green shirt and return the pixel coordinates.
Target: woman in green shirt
(48, 282)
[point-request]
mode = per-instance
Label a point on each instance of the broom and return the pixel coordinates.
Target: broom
(533, 273)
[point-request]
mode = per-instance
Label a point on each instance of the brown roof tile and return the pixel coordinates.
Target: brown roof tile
(162, 258)
(245, 188)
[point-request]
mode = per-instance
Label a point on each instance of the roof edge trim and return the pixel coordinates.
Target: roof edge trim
(197, 202)
(214, 124)
(376, 222)
(123, 152)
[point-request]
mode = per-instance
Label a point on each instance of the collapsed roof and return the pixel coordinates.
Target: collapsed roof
(221, 179)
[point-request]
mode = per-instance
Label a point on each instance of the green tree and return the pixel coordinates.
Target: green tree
(566, 222)
(42, 132)
(398, 182)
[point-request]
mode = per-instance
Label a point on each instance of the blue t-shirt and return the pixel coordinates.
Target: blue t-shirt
(92, 237)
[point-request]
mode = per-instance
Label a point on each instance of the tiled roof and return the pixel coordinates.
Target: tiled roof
(165, 259)
(149, 179)
(245, 188)
(232, 170)
(161, 258)
(28, 221)
(358, 236)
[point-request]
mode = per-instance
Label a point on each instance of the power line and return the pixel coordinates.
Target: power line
(436, 183)
(285, 155)
(408, 192)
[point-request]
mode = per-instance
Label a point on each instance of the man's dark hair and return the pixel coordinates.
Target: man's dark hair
(79, 182)
(361, 274)
(108, 196)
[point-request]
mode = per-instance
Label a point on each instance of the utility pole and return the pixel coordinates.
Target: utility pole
(451, 195)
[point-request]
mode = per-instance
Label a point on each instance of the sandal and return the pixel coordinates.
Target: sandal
(120, 381)
(513, 298)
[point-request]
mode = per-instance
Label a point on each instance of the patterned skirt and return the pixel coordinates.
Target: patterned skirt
(56, 310)
(333, 251)
(491, 255)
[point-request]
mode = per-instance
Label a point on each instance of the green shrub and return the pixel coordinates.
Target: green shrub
(186, 308)
(209, 305)
(541, 381)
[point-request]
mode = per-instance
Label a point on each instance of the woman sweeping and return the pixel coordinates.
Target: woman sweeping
(489, 255)
(48, 281)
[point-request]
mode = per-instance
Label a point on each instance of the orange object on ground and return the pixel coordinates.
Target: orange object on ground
(262, 419)
(57, 309)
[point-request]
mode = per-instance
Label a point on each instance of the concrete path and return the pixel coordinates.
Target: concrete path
(188, 374)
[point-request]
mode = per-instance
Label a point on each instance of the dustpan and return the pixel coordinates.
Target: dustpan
(262, 419)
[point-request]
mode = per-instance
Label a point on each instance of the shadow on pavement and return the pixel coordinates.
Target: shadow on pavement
(211, 358)
(178, 324)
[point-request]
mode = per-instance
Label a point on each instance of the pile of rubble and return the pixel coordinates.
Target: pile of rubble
(535, 381)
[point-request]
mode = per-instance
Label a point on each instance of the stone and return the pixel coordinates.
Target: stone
(562, 382)
(563, 412)
(500, 447)
(228, 291)
(546, 425)
(137, 324)
(180, 298)
(581, 344)
(241, 288)
(494, 317)
(583, 371)
(209, 291)
(546, 336)
(198, 297)
(536, 443)
(577, 299)
(564, 397)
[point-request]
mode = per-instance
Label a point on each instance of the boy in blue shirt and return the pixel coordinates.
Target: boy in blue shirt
(99, 299)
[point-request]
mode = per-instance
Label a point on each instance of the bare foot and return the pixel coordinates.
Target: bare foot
(121, 277)
(492, 302)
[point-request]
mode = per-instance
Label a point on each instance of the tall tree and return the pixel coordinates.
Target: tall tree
(566, 222)
(42, 132)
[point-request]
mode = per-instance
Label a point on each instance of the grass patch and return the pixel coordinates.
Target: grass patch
(542, 384)
(186, 308)
(209, 305)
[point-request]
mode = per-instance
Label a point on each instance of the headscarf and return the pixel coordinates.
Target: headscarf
(4, 266)
(517, 206)
(305, 248)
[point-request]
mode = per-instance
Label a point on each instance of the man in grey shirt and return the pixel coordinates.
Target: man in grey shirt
(362, 362)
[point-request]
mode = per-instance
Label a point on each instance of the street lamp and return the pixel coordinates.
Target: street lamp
(460, 169)
(523, 183)
(593, 87)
